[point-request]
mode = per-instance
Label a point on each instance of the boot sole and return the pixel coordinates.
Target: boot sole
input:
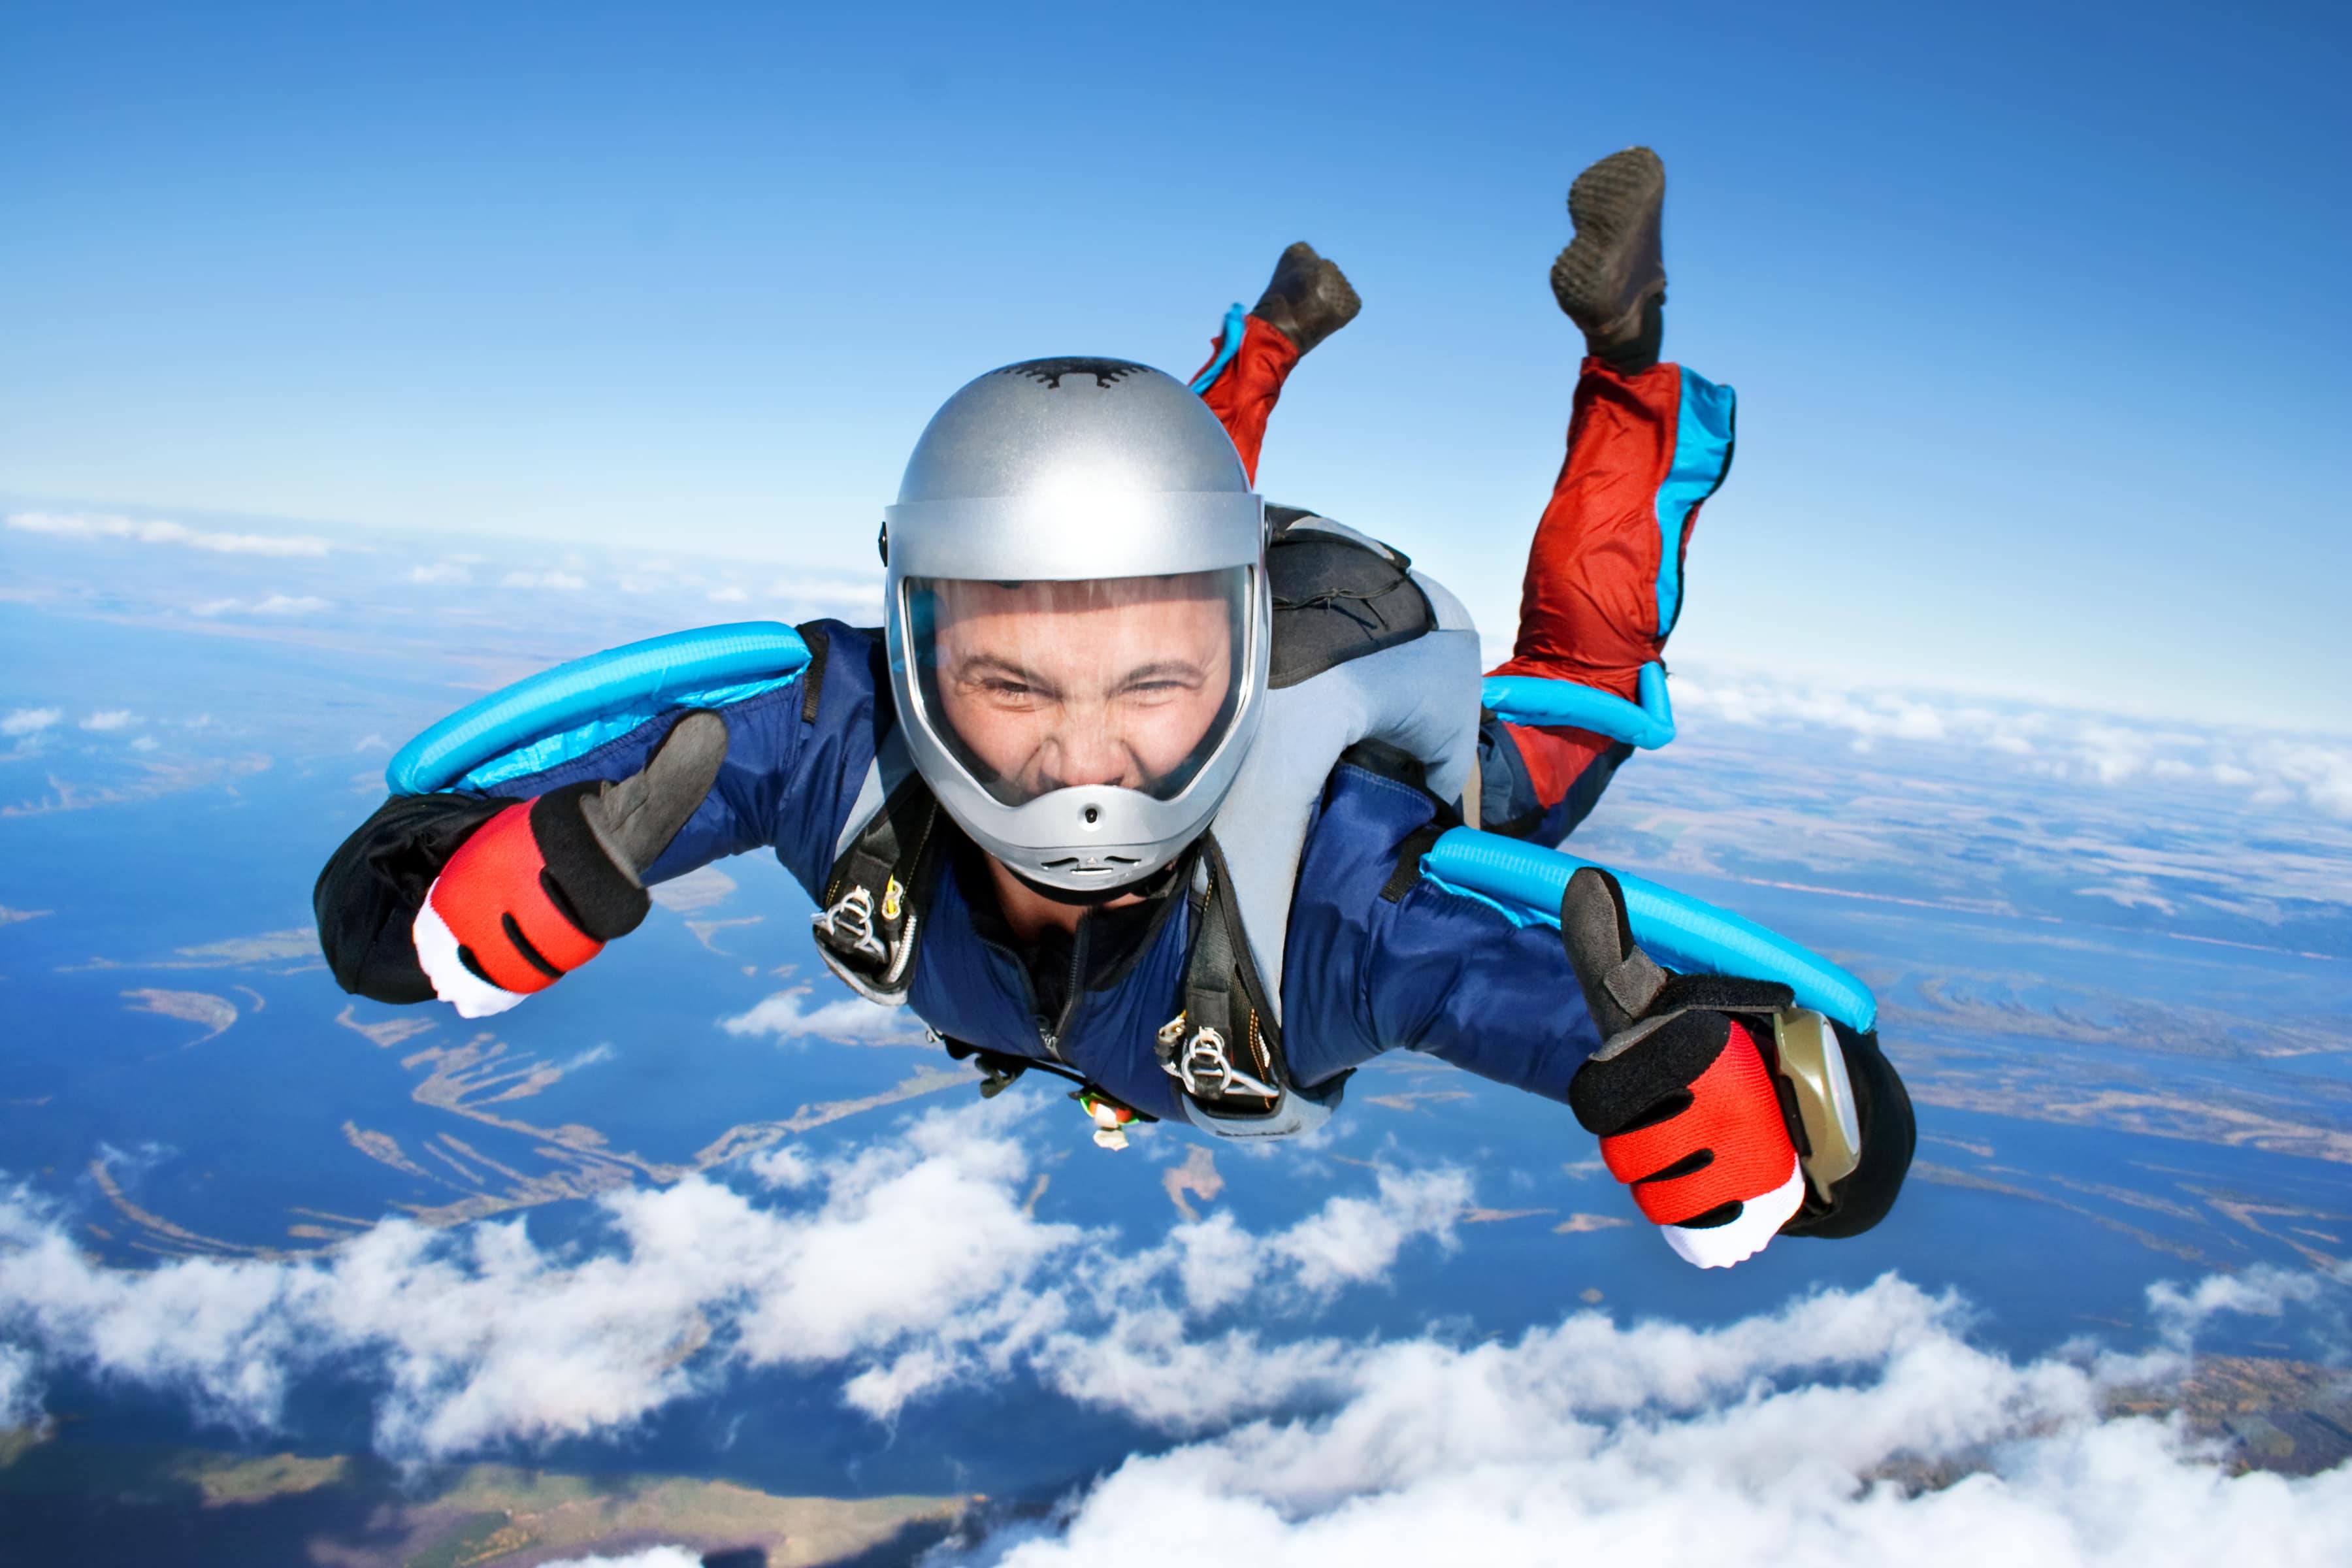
(1612, 203)
(1309, 298)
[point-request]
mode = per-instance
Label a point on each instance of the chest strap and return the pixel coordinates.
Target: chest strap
(1225, 1050)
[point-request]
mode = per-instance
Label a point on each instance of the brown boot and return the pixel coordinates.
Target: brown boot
(1612, 279)
(1308, 299)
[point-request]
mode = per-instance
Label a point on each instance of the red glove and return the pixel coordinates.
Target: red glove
(1688, 1113)
(539, 888)
(505, 917)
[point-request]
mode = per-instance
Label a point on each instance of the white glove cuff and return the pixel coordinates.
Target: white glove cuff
(437, 954)
(1760, 1219)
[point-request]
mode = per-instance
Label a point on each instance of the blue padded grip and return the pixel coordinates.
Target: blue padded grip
(1677, 930)
(639, 680)
(1537, 700)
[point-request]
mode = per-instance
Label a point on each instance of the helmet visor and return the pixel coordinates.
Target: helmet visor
(1038, 685)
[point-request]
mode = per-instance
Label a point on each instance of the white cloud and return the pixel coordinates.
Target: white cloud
(20, 1393)
(908, 1265)
(563, 582)
(145, 743)
(1353, 1240)
(2262, 1291)
(651, 1557)
(730, 595)
(855, 600)
(479, 1336)
(112, 719)
(2321, 774)
(30, 720)
(2274, 769)
(441, 573)
(275, 605)
(1756, 1443)
(785, 1166)
(850, 1021)
(69, 525)
(699, 890)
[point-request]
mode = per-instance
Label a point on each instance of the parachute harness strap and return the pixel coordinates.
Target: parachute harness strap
(867, 931)
(1221, 1048)
(998, 1072)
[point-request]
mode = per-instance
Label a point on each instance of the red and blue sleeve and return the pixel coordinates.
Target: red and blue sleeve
(1604, 579)
(1243, 380)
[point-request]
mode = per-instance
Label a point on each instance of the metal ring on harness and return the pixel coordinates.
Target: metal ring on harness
(1205, 1067)
(851, 920)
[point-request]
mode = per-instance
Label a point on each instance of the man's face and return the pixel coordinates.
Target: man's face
(1055, 684)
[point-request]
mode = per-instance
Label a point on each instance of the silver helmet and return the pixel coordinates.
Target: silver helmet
(1077, 616)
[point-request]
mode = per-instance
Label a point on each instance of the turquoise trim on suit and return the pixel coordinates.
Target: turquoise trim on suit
(1544, 702)
(1703, 437)
(1236, 325)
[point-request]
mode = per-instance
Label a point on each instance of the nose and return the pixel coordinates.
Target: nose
(1089, 752)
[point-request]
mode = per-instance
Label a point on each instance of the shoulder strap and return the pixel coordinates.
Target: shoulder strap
(877, 894)
(1225, 1048)
(877, 901)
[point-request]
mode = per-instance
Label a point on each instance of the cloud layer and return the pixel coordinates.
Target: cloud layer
(1775, 1441)
(85, 525)
(909, 1265)
(2272, 769)
(270, 604)
(1802, 1435)
(848, 1020)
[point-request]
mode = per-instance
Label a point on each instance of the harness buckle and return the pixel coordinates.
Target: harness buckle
(1205, 1067)
(851, 921)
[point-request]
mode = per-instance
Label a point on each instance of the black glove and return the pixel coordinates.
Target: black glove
(492, 900)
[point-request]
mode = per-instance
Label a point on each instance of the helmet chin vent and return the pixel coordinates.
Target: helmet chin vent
(1106, 866)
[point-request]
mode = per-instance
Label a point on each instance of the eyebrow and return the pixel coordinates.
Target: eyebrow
(975, 664)
(978, 664)
(1180, 668)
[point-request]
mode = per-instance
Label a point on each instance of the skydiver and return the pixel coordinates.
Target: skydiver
(1137, 781)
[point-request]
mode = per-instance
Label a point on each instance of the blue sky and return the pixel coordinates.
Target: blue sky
(2036, 313)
